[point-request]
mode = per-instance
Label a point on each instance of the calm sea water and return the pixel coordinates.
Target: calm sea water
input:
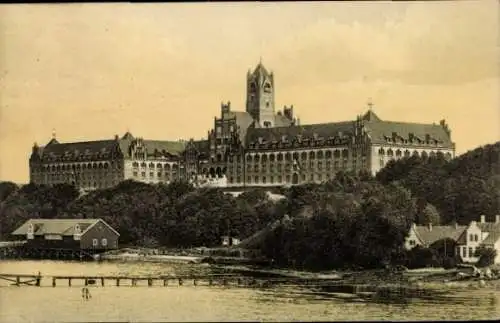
(204, 303)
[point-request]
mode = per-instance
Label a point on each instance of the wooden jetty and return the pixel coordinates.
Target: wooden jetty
(327, 285)
(165, 280)
(18, 280)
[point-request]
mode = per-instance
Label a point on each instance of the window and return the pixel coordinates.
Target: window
(471, 237)
(95, 242)
(104, 242)
(135, 174)
(464, 252)
(412, 242)
(471, 252)
(476, 237)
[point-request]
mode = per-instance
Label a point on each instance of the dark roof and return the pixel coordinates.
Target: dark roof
(322, 130)
(99, 149)
(380, 130)
(128, 136)
(370, 116)
(260, 69)
(63, 227)
(172, 147)
(439, 232)
(102, 149)
(203, 146)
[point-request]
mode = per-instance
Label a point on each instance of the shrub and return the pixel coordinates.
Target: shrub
(486, 256)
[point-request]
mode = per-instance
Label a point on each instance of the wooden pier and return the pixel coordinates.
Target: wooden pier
(18, 280)
(166, 280)
(327, 285)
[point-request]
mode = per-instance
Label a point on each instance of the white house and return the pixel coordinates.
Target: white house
(468, 238)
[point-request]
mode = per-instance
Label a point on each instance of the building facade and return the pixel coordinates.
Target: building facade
(256, 147)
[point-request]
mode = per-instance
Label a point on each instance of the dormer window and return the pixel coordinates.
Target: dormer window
(77, 232)
(30, 234)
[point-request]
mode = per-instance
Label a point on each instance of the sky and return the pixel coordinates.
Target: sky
(161, 71)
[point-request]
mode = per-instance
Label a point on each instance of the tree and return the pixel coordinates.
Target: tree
(486, 256)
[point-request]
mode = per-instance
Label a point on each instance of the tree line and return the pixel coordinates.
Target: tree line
(353, 220)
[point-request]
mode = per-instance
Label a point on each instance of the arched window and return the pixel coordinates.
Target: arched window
(381, 152)
(272, 157)
(328, 154)
(303, 156)
(311, 155)
(320, 154)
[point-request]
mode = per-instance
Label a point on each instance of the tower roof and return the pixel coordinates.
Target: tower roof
(261, 70)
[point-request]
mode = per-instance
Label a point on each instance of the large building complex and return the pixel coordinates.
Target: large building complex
(256, 147)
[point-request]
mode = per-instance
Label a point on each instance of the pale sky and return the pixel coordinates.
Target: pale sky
(91, 71)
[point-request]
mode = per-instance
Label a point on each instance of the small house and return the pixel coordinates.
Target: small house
(68, 234)
(466, 239)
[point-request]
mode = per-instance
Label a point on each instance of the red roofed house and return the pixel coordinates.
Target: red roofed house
(68, 234)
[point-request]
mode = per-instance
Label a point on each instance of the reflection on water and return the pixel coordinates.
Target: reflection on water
(203, 303)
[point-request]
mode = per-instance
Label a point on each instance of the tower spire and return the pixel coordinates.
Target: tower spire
(370, 104)
(53, 133)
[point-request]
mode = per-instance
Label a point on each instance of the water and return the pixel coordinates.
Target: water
(204, 303)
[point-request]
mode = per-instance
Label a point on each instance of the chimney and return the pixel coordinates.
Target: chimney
(483, 219)
(497, 218)
(430, 226)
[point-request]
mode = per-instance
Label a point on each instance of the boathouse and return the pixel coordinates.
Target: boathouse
(90, 235)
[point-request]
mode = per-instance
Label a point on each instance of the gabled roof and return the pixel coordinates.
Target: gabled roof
(282, 121)
(439, 232)
(492, 238)
(243, 121)
(370, 116)
(63, 227)
(489, 226)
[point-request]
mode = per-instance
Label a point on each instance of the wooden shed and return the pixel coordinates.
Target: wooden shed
(70, 234)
